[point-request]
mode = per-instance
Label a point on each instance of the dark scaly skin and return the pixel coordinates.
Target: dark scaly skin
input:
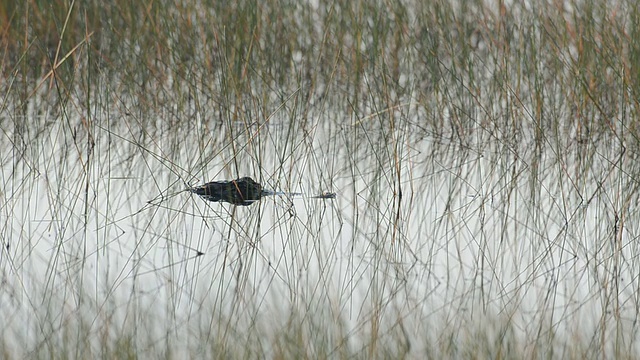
(243, 191)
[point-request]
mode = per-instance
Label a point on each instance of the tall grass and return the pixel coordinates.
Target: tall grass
(483, 154)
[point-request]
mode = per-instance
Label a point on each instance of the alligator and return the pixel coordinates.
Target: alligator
(243, 191)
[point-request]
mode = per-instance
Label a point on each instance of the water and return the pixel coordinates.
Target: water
(426, 235)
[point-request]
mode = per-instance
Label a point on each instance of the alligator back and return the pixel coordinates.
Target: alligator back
(243, 191)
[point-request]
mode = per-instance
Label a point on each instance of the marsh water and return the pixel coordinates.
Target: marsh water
(485, 195)
(424, 233)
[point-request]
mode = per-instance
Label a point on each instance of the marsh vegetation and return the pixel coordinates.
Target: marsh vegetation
(484, 157)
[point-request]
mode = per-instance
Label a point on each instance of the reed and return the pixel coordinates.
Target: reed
(482, 155)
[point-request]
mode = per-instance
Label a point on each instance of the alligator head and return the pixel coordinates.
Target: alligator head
(243, 191)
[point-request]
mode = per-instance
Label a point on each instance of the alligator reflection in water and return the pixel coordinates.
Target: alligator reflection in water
(243, 191)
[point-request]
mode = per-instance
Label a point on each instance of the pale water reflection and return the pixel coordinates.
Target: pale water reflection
(424, 236)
